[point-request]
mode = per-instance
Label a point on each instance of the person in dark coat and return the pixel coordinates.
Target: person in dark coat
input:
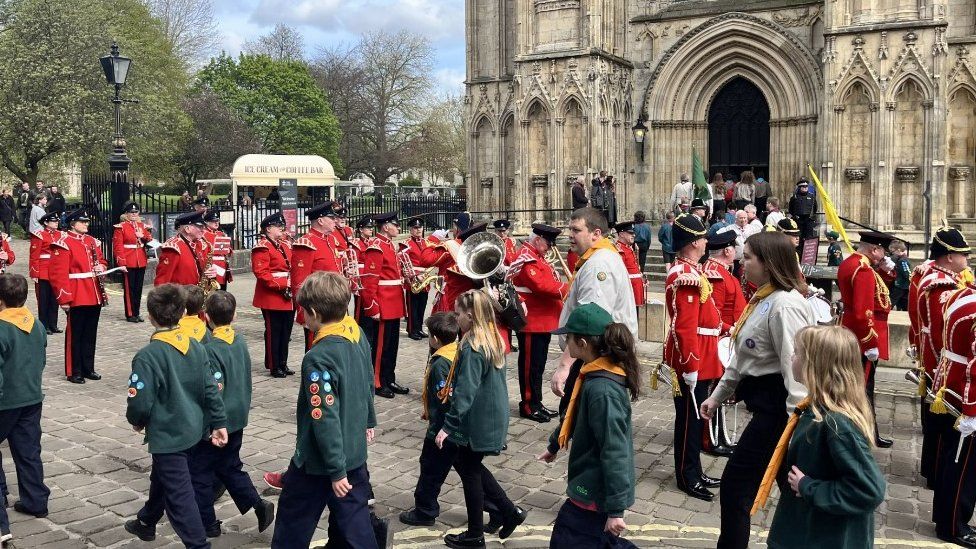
(803, 208)
(579, 194)
(55, 202)
(7, 209)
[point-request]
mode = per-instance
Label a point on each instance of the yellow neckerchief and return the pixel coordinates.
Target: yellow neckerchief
(778, 455)
(20, 317)
(602, 363)
(602, 244)
(194, 327)
(762, 293)
(175, 337)
(346, 328)
(224, 333)
(450, 352)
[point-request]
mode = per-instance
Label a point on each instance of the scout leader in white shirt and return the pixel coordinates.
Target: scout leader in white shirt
(600, 278)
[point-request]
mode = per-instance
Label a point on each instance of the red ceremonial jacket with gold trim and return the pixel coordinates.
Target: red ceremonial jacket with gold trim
(866, 303)
(934, 289)
(692, 340)
(957, 369)
(72, 269)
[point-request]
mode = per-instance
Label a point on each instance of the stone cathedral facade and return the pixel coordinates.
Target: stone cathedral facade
(878, 95)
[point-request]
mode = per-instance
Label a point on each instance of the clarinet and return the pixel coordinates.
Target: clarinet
(93, 252)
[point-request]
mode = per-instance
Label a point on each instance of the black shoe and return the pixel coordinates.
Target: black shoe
(551, 413)
(76, 379)
(415, 337)
(413, 518)
(140, 530)
(140, 319)
(463, 540)
(720, 451)
(57, 330)
(264, 510)
(213, 531)
(278, 373)
(384, 392)
(535, 415)
(495, 521)
(398, 389)
(19, 507)
(94, 376)
(699, 491)
(967, 540)
(49, 331)
(883, 442)
(422, 334)
(511, 522)
(131, 319)
(710, 482)
(288, 371)
(382, 531)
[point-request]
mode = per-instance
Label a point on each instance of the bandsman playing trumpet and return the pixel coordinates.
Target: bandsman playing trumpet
(220, 248)
(383, 304)
(271, 264)
(183, 258)
(502, 228)
(315, 251)
(364, 238)
(129, 247)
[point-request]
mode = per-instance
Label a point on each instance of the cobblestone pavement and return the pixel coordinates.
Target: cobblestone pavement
(97, 467)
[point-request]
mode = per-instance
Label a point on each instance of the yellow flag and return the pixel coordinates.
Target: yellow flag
(829, 211)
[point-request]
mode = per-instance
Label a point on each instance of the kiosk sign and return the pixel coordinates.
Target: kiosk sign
(288, 191)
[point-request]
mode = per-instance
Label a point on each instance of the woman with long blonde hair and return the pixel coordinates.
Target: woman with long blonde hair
(832, 477)
(477, 419)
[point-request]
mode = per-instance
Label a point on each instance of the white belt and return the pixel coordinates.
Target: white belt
(280, 275)
(44, 256)
(131, 246)
(523, 290)
(635, 275)
(391, 283)
(218, 258)
(81, 275)
(709, 331)
(926, 330)
(955, 357)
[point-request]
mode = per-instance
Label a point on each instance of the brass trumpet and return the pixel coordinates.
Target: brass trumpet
(554, 258)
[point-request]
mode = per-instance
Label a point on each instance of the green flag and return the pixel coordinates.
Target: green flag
(698, 179)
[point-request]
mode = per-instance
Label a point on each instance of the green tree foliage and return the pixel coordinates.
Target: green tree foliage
(57, 104)
(279, 101)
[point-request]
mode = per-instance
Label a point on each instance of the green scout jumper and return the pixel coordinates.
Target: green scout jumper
(478, 414)
(22, 361)
(601, 457)
(231, 365)
(335, 407)
(170, 394)
(841, 488)
(436, 380)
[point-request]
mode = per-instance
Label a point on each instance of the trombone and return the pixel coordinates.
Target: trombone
(554, 258)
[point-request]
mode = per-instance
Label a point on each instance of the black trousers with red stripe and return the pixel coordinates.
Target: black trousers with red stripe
(384, 339)
(955, 486)
(688, 429)
(132, 290)
(47, 305)
(870, 367)
(81, 333)
(533, 352)
(277, 335)
(416, 307)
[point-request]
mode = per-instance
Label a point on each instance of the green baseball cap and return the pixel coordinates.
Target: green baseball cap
(587, 319)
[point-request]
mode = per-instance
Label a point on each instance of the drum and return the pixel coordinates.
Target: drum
(726, 351)
(821, 308)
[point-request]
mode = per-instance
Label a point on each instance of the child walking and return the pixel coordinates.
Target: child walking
(477, 419)
(601, 462)
(193, 322)
(231, 366)
(829, 482)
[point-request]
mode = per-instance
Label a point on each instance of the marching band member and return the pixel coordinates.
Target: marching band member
(728, 298)
(502, 226)
(364, 228)
(691, 350)
(76, 264)
(183, 258)
(443, 256)
(221, 248)
(129, 247)
(625, 245)
(40, 261)
(383, 304)
(7, 256)
(315, 251)
(415, 246)
(948, 252)
(540, 288)
(866, 306)
(271, 263)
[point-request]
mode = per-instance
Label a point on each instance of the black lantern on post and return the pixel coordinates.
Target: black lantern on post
(640, 132)
(116, 68)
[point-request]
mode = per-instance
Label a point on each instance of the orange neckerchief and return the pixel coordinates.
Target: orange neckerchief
(761, 294)
(194, 327)
(346, 328)
(602, 363)
(224, 333)
(450, 352)
(602, 244)
(779, 453)
(175, 337)
(20, 317)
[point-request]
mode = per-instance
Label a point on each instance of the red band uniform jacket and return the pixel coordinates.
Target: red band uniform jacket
(957, 370)
(726, 293)
(128, 244)
(415, 247)
(271, 264)
(692, 341)
(72, 269)
(633, 272)
(181, 261)
(439, 255)
(313, 252)
(866, 303)
(914, 280)
(382, 281)
(39, 260)
(539, 287)
(935, 288)
(11, 256)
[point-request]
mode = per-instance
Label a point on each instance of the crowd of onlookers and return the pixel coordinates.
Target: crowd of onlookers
(602, 195)
(26, 205)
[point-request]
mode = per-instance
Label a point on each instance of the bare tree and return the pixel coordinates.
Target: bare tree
(284, 43)
(440, 146)
(189, 26)
(340, 74)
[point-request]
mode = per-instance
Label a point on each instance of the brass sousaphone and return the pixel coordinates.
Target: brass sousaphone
(482, 257)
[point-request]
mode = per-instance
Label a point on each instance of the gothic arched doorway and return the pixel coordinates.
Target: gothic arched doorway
(738, 130)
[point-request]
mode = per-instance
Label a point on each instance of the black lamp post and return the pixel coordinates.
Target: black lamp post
(640, 132)
(116, 68)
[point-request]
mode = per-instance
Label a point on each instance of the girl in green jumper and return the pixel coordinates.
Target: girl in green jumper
(601, 461)
(830, 484)
(477, 420)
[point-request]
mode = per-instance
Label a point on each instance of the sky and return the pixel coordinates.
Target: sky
(327, 23)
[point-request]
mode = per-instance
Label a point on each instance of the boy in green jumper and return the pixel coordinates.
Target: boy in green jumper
(173, 398)
(335, 418)
(22, 359)
(231, 365)
(192, 322)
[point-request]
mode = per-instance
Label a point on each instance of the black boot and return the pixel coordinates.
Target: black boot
(464, 540)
